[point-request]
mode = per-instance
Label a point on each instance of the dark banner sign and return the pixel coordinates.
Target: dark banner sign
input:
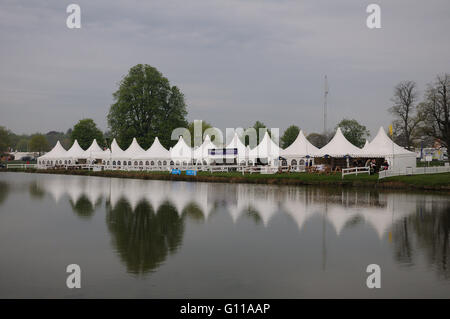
(223, 151)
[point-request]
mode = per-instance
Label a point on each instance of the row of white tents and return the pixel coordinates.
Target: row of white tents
(235, 151)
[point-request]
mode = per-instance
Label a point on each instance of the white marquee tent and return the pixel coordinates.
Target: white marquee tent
(301, 148)
(266, 149)
(74, 153)
(382, 146)
(117, 153)
(156, 154)
(134, 150)
(56, 153)
(201, 153)
(181, 152)
(339, 146)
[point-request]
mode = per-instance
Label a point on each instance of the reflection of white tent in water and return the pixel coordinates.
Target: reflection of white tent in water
(156, 193)
(95, 188)
(181, 196)
(200, 197)
(338, 216)
(300, 211)
(130, 190)
(382, 218)
(55, 185)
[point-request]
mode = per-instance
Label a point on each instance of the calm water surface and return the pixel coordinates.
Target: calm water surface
(161, 239)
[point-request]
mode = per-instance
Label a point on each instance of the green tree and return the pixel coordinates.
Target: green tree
(289, 136)
(22, 145)
(85, 131)
(354, 132)
(213, 133)
(4, 139)
(259, 135)
(146, 106)
(38, 143)
(318, 140)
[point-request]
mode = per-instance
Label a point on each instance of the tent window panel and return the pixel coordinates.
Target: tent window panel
(159, 163)
(164, 162)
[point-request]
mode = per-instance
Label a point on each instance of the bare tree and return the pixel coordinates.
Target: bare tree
(405, 111)
(436, 110)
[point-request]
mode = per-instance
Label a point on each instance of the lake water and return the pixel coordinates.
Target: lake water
(162, 239)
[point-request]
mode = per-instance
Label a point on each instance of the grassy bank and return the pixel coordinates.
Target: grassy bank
(433, 182)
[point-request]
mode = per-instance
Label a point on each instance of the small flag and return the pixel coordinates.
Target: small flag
(390, 130)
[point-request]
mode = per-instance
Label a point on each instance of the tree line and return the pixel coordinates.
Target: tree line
(146, 106)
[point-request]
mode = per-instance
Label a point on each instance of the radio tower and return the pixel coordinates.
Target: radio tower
(325, 95)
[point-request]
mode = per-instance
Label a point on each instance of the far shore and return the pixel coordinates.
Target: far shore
(431, 182)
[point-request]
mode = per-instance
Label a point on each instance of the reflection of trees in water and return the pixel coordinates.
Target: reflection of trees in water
(254, 215)
(194, 212)
(425, 232)
(4, 190)
(36, 191)
(142, 237)
(83, 207)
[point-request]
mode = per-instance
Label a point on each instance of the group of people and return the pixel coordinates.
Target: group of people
(372, 164)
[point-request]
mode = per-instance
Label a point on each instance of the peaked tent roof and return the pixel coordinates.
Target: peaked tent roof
(93, 149)
(116, 151)
(57, 152)
(237, 143)
(202, 151)
(156, 151)
(181, 150)
(366, 144)
(382, 146)
(266, 148)
(339, 146)
(300, 147)
(134, 150)
(75, 151)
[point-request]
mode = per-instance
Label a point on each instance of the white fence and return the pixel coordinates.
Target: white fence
(355, 171)
(414, 171)
(21, 166)
(250, 169)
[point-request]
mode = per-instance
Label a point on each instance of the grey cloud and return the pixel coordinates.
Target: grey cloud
(236, 61)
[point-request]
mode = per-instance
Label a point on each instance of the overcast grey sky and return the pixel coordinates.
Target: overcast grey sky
(236, 61)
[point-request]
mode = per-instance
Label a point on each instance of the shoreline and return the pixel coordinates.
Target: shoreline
(439, 184)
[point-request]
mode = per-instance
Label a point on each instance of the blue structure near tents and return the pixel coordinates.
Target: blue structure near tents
(175, 171)
(191, 172)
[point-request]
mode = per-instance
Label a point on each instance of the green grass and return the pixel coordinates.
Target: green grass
(442, 180)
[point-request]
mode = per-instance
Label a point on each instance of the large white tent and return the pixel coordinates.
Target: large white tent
(58, 152)
(74, 153)
(95, 152)
(134, 150)
(156, 154)
(181, 153)
(117, 154)
(382, 146)
(201, 153)
(266, 149)
(339, 146)
(301, 148)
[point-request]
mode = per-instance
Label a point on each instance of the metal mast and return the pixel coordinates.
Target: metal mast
(325, 106)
